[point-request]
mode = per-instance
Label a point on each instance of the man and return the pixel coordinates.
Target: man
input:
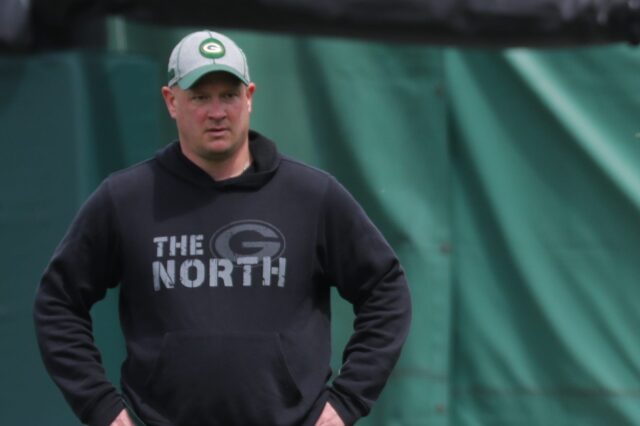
(225, 252)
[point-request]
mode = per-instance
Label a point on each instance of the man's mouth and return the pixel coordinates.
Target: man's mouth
(217, 130)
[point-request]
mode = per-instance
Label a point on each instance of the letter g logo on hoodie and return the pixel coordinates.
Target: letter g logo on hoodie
(247, 238)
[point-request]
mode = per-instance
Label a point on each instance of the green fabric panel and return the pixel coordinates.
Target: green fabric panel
(67, 120)
(546, 202)
(101, 112)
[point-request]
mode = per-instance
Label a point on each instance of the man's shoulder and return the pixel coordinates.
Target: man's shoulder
(303, 170)
(138, 175)
(310, 180)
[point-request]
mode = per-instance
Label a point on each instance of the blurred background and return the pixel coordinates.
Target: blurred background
(496, 145)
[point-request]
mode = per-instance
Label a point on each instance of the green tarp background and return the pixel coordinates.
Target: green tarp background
(508, 181)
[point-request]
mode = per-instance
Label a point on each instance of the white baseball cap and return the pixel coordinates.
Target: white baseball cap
(203, 52)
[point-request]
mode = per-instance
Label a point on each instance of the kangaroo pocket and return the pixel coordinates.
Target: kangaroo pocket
(223, 379)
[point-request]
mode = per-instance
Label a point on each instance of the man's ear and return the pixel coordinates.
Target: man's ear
(169, 100)
(251, 88)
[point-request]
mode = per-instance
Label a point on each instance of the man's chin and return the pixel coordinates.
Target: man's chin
(218, 154)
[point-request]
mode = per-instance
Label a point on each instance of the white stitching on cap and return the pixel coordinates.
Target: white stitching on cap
(213, 60)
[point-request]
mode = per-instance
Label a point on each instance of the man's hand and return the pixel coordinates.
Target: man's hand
(123, 419)
(329, 417)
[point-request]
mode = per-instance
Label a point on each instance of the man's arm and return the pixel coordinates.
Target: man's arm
(368, 274)
(83, 266)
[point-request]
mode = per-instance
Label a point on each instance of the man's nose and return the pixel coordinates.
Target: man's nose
(216, 110)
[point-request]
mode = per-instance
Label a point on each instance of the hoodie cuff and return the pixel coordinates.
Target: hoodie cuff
(348, 409)
(105, 411)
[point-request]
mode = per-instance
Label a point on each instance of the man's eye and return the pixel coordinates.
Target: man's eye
(199, 97)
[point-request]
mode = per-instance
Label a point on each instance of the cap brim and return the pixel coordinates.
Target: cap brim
(190, 79)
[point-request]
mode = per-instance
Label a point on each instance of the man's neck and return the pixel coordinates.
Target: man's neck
(229, 172)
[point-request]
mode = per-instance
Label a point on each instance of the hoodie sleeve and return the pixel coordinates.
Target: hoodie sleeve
(83, 266)
(367, 273)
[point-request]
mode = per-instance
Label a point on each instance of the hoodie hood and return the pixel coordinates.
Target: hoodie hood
(264, 153)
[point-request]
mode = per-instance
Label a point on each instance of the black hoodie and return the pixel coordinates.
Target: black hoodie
(224, 295)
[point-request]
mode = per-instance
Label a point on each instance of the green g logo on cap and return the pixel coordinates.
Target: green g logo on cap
(212, 48)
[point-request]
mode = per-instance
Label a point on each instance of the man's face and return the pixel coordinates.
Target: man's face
(212, 116)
